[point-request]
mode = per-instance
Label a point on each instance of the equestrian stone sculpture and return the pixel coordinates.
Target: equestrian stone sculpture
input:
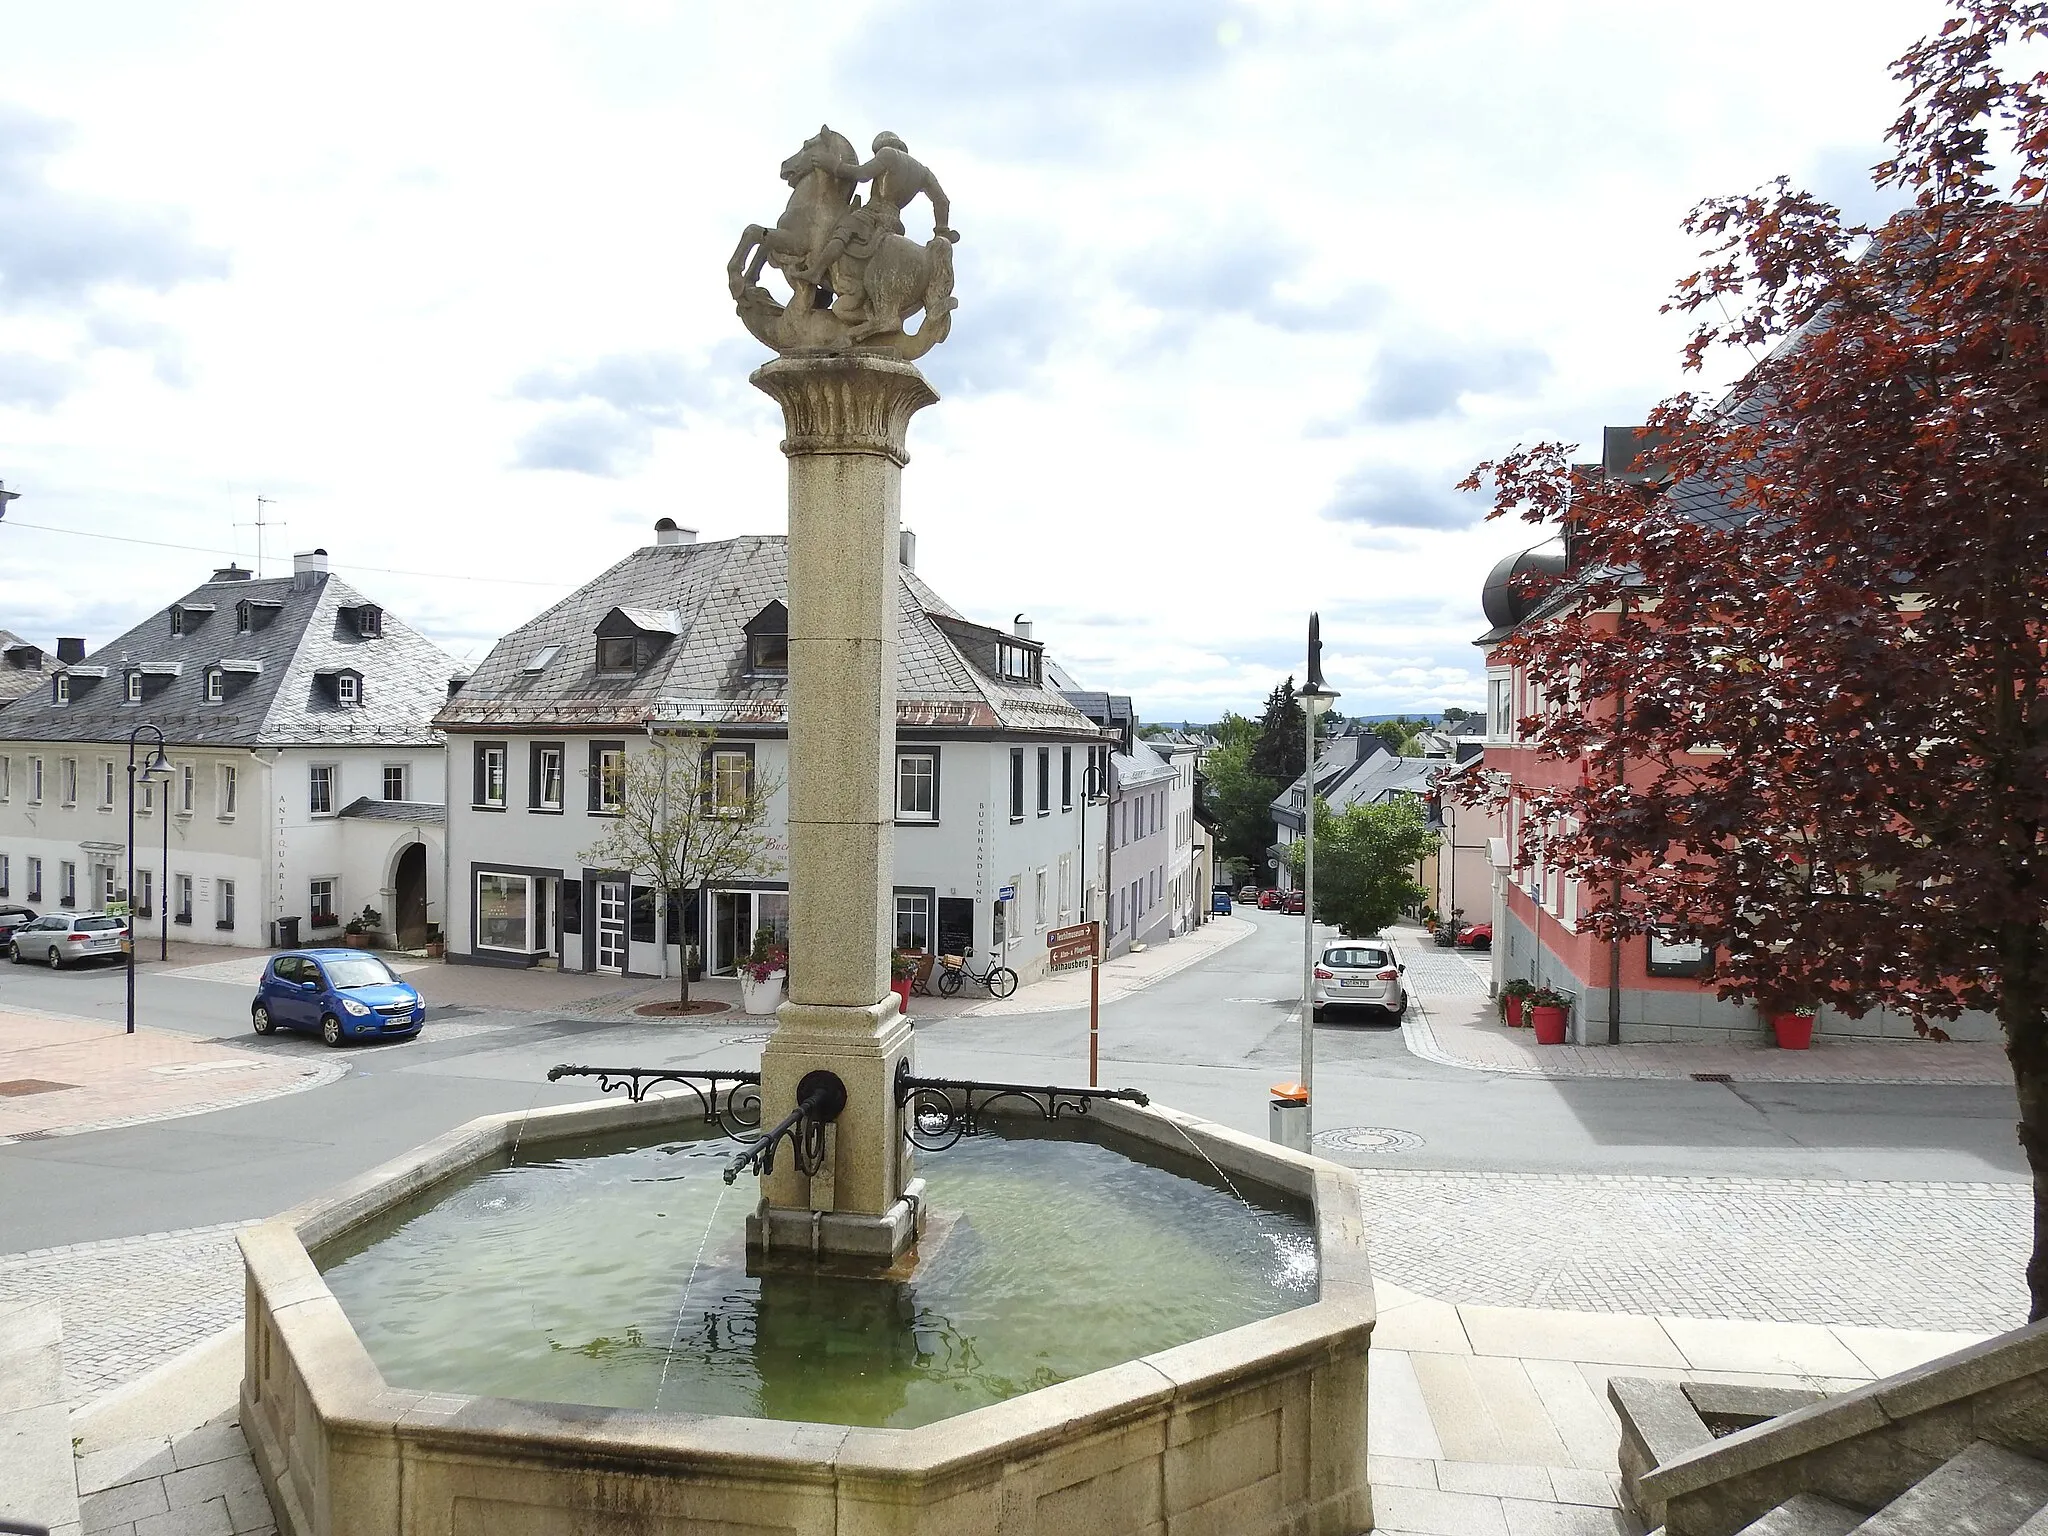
(855, 280)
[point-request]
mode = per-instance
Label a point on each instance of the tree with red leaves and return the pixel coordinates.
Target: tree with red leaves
(1805, 680)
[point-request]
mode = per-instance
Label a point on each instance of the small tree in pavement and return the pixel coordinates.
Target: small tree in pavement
(1365, 863)
(1810, 684)
(684, 819)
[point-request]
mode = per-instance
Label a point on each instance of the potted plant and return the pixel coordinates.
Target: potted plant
(1512, 995)
(1792, 1023)
(761, 976)
(1548, 1010)
(693, 957)
(436, 945)
(903, 966)
(366, 924)
(352, 934)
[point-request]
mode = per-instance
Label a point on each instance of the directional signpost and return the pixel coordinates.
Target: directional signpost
(1077, 945)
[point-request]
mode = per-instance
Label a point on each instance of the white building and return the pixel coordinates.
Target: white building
(1155, 881)
(988, 772)
(307, 780)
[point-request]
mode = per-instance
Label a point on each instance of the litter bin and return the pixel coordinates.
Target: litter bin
(284, 933)
(1287, 1116)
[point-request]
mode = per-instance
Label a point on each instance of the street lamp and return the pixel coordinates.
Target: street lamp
(157, 766)
(1316, 698)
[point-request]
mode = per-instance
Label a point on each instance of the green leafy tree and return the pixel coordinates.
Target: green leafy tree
(1365, 863)
(1240, 798)
(1281, 750)
(685, 821)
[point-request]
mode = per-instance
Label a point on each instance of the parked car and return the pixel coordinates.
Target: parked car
(1294, 904)
(1270, 901)
(1219, 901)
(12, 918)
(1248, 893)
(338, 994)
(1362, 973)
(64, 937)
(1477, 936)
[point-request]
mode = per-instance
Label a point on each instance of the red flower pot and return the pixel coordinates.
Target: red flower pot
(1549, 1023)
(1514, 1010)
(1794, 1030)
(902, 991)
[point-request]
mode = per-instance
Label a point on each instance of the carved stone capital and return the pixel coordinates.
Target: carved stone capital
(856, 403)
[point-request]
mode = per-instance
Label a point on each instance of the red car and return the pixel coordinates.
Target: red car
(1269, 901)
(1478, 936)
(1294, 903)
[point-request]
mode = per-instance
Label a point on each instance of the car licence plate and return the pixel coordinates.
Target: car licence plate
(1355, 981)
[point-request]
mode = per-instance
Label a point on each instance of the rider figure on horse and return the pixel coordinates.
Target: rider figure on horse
(897, 179)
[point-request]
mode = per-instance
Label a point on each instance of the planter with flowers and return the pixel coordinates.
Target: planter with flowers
(903, 966)
(1513, 994)
(1792, 1024)
(1548, 1012)
(762, 975)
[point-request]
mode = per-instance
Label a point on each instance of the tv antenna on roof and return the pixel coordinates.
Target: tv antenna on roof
(261, 523)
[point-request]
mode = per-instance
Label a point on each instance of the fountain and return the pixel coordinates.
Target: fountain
(1108, 1317)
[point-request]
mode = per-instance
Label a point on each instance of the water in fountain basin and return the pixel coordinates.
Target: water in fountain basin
(567, 1278)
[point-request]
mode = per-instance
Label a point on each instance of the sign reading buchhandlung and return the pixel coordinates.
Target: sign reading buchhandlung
(1071, 947)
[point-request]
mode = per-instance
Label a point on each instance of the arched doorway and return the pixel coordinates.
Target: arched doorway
(409, 897)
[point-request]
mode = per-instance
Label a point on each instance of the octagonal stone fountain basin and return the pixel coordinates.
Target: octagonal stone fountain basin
(1255, 1425)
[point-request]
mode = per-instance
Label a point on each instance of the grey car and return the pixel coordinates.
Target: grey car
(64, 937)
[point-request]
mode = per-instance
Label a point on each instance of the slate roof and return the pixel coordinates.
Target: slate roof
(413, 811)
(713, 589)
(1372, 779)
(16, 679)
(279, 689)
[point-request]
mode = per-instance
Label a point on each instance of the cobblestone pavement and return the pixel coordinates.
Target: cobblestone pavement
(1891, 1255)
(62, 1076)
(132, 1302)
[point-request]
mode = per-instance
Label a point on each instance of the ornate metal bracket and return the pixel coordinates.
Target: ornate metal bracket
(738, 1114)
(944, 1109)
(820, 1096)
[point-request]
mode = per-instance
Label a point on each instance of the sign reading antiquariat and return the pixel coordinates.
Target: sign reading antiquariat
(1071, 947)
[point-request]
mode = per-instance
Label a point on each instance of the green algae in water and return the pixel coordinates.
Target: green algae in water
(617, 1277)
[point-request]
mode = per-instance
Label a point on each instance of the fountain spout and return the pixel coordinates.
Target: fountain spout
(820, 1099)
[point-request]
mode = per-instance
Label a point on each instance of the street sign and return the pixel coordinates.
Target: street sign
(1006, 893)
(1071, 947)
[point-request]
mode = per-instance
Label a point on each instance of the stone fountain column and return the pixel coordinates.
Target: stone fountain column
(846, 417)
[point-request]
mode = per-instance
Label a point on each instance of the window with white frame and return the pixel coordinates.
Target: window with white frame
(230, 788)
(1066, 885)
(182, 912)
(35, 880)
(504, 912)
(320, 895)
(107, 894)
(914, 920)
(1041, 910)
(398, 781)
(60, 689)
(732, 780)
(106, 784)
(216, 685)
(225, 892)
(348, 688)
(490, 774)
(917, 785)
(320, 789)
(145, 893)
(67, 780)
(188, 788)
(1500, 706)
(548, 778)
(67, 883)
(35, 781)
(6, 776)
(145, 795)
(608, 780)
(134, 687)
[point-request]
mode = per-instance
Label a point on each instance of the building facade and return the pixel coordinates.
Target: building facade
(988, 771)
(305, 778)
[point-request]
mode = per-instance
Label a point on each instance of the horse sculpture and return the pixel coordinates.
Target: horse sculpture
(896, 280)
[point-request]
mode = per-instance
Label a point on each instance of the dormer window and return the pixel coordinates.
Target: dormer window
(187, 617)
(1016, 663)
(253, 613)
(134, 687)
(60, 689)
(243, 611)
(177, 620)
(216, 685)
(768, 642)
(369, 620)
(628, 639)
(348, 688)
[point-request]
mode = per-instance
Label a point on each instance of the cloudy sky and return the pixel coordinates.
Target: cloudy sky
(1244, 288)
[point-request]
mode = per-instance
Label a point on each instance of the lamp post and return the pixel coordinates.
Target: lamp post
(1316, 698)
(157, 764)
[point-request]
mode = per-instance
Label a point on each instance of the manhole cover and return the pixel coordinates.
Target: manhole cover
(22, 1087)
(746, 1039)
(1367, 1138)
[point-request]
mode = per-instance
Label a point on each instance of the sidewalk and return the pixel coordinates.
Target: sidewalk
(1121, 977)
(1465, 1031)
(60, 1076)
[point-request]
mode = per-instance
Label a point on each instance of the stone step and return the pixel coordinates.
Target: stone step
(1982, 1490)
(37, 1484)
(1805, 1514)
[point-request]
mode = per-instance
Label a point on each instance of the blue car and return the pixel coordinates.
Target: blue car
(340, 994)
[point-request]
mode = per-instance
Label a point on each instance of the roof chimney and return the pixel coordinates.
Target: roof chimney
(70, 650)
(1021, 627)
(906, 550)
(308, 569)
(230, 573)
(667, 532)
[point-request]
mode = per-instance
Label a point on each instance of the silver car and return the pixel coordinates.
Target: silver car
(1362, 973)
(62, 937)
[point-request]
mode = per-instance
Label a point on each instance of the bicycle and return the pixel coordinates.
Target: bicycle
(1000, 980)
